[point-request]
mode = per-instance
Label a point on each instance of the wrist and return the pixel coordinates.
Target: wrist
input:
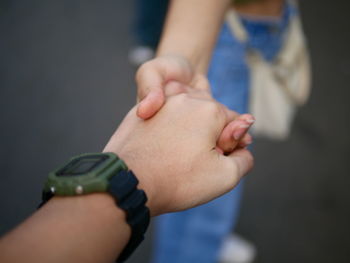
(99, 184)
(86, 223)
(94, 209)
(98, 203)
(188, 60)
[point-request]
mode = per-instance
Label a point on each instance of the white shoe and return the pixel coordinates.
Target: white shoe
(235, 249)
(140, 54)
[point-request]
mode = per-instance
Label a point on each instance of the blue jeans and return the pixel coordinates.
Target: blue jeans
(148, 21)
(196, 235)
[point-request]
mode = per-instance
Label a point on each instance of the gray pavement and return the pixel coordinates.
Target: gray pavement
(65, 84)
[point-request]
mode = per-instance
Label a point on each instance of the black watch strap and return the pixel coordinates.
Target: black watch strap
(123, 187)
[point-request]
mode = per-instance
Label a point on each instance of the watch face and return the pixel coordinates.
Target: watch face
(82, 165)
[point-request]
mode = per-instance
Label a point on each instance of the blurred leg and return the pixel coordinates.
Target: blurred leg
(196, 235)
(148, 21)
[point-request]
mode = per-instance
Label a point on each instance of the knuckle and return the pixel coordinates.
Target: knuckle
(179, 101)
(141, 71)
(146, 68)
(181, 98)
(214, 110)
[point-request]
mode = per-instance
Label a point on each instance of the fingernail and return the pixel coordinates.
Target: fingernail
(250, 120)
(249, 142)
(242, 129)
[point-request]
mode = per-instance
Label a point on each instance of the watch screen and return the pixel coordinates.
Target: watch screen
(82, 165)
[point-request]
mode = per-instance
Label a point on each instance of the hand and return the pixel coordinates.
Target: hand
(235, 134)
(173, 154)
(154, 75)
(169, 75)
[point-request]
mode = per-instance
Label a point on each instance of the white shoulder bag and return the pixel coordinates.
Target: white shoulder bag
(279, 87)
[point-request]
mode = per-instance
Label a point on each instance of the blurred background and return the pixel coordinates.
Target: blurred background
(65, 85)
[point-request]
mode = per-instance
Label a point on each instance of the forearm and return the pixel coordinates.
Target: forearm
(176, 166)
(191, 29)
(88, 228)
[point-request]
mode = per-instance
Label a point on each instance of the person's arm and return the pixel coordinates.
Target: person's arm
(191, 30)
(87, 228)
(183, 55)
(173, 156)
(184, 51)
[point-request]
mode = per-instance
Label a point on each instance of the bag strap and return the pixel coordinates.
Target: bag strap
(236, 27)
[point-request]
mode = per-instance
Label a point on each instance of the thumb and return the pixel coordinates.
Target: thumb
(151, 78)
(151, 104)
(150, 91)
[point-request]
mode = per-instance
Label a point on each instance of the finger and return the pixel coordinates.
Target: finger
(151, 104)
(235, 132)
(226, 116)
(242, 161)
(231, 169)
(151, 78)
(232, 135)
(155, 73)
(246, 141)
(247, 117)
(149, 81)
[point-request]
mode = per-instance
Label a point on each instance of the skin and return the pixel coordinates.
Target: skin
(182, 57)
(184, 53)
(176, 163)
(173, 67)
(200, 139)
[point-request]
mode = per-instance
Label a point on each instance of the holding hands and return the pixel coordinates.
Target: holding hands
(191, 149)
(184, 147)
(173, 74)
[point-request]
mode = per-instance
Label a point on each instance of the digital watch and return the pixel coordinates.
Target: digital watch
(103, 172)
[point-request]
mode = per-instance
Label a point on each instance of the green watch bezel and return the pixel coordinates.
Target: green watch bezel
(96, 180)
